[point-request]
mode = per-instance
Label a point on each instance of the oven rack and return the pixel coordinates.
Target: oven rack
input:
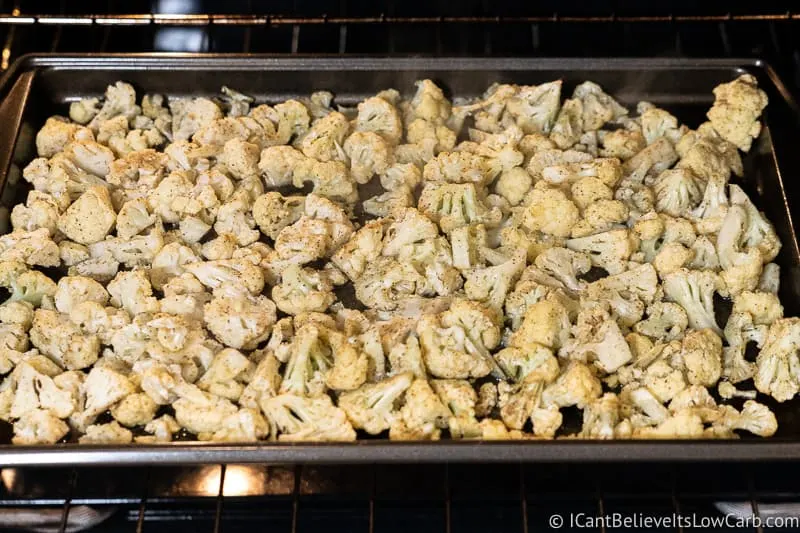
(383, 499)
(388, 27)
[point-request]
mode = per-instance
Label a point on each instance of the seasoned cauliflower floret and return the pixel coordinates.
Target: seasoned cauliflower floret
(736, 109)
(550, 211)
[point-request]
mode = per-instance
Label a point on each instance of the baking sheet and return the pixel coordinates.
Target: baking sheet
(39, 86)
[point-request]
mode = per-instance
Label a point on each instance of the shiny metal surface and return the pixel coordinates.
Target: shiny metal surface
(37, 86)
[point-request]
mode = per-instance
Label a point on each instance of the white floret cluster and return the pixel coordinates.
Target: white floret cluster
(213, 268)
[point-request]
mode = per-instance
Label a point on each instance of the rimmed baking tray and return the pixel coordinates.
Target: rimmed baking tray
(38, 86)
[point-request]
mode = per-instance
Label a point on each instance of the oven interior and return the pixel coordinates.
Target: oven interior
(373, 498)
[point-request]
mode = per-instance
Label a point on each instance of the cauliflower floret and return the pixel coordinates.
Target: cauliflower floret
(407, 357)
(600, 417)
(608, 346)
(609, 250)
(307, 419)
(546, 322)
(741, 269)
(39, 426)
(458, 167)
(55, 336)
(490, 285)
(428, 103)
(360, 250)
(666, 321)
(41, 210)
(701, 353)
(621, 143)
(303, 290)
(770, 279)
(330, 179)
(189, 115)
(758, 233)
(202, 412)
(246, 425)
(650, 162)
(92, 318)
(160, 429)
(264, 383)
(234, 218)
(56, 134)
(372, 407)
(682, 425)
(132, 291)
(168, 263)
(141, 168)
(385, 204)
(550, 211)
(104, 387)
(764, 307)
(378, 115)
(576, 385)
(736, 109)
(17, 312)
(30, 247)
(564, 265)
(324, 140)
(534, 363)
(568, 127)
(90, 157)
(589, 190)
(598, 107)
(657, 123)
(224, 375)
(84, 110)
(273, 212)
(671, 257)
(678, 191)
(456, 343)
(278, 164)
(135, 410)
(73, 290)
(754, 417)
(308, 360)
(694, 291)
(423, 408)
(33, 287)
(739, 331)
(241, 158)
(777, 372)
(453, 205)
(240, 320)
(385, 282)
(708, 156)
(72, 253)
(133, 218)
(514, 184)
(534, 107)
(236, 272)
(369, 154)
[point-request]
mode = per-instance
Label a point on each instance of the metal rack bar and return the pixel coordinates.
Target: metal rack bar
(523, 497)
(220, 499)
(143, 504)
(676, 504)
(261, 20)
(68, 501)
(754, 501)
(298, 473)
(447, 501)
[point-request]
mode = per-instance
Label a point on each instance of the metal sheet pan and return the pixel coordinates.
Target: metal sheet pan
(39, 86)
